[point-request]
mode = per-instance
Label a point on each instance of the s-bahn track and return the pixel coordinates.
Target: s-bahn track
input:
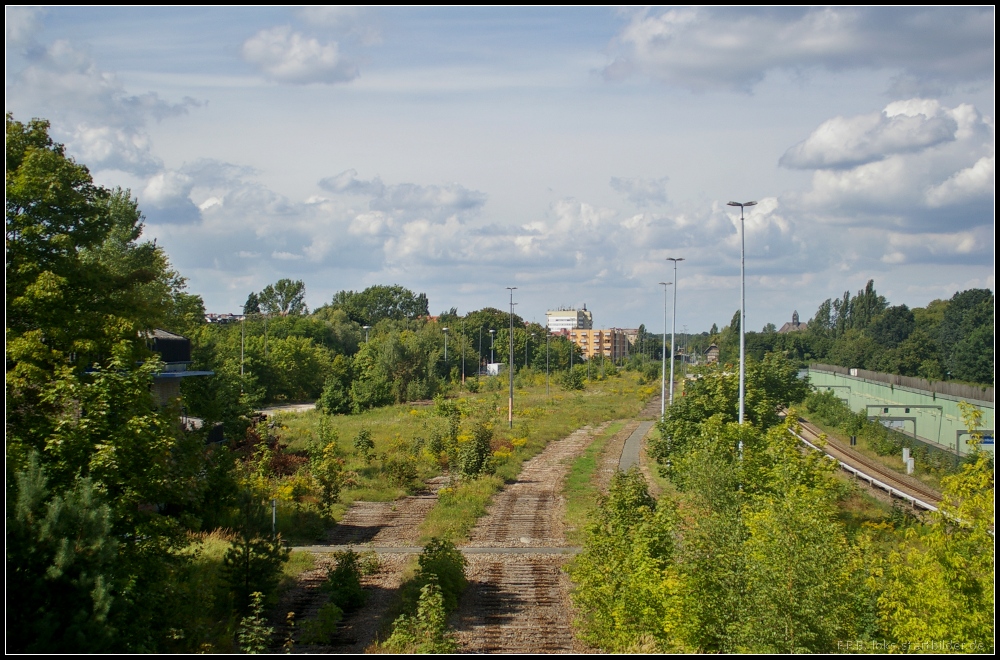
(876, 474)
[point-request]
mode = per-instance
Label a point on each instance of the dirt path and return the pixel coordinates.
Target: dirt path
(519, 603)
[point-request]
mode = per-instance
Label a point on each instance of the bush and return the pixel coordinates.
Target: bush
(335, 399)
(427, 630)
(322, 629)
(364, 444)
(343, 582)
(428, 599)
(573, 379)
(253, 563)
(254, 634)
(474, 453)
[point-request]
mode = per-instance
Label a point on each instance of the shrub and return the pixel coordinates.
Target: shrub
(322, 629)
(573, 379)
(427, 630)
(254, 634)
(443, 563)
(343, 582)
(364, 444)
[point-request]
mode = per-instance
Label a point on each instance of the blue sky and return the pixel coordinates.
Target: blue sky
(567, 152)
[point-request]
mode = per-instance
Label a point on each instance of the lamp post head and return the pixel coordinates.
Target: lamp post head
(675, 259)
(666, 283)
(445, 330)
(741, 204)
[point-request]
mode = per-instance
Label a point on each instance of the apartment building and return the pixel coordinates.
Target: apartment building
(612, 343)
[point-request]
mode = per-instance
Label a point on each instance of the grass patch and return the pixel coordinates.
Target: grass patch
(458, 509)
(580, 491)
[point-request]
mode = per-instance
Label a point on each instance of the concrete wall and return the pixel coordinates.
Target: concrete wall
(937, 417)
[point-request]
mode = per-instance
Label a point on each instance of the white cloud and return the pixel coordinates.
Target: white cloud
(916, 164)
(408, 199)
(734, 48)
(903, 127)
(960, 248)
(640, 191)
(290, 57)
(970, 183)
(356, 22)
(90, 109)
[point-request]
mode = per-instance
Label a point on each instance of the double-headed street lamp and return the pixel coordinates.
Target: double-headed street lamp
(743, 308)
(447, 370)
(663, 376)
(367, 328)
(673, 327)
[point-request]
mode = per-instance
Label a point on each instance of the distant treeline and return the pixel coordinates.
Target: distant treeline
(946, 340)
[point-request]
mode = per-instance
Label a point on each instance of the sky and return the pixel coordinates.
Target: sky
(567, 152)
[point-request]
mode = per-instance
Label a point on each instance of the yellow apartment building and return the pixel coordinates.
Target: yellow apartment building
(612, 343)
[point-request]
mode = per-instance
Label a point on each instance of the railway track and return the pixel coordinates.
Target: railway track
(877, 475)
(386, 524)
(519, 602)
(389, 524)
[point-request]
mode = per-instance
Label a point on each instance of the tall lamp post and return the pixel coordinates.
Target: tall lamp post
(526, 349)
(447, 371)
(547, 334)
(510, 364)
(743, 310)
(464, 340)
(367, 328)
(493, 334)
(663, 376)
(673, 327)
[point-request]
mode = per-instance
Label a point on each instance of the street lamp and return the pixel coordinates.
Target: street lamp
(464, 340)
(547, 334)
(526, 349)
(673, 327)
(446, 369)
(743, 310)
(510, 363)
(367, 328)
(663, 376)
(493, 334)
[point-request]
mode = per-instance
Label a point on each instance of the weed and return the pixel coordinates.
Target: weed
(254, 634)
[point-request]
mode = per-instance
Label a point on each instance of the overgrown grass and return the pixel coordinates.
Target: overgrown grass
(660, 483)
(405, 432)
(541, 420)
(580, 490)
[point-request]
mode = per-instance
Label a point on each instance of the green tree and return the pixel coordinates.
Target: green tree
(60, 566)
(284, 297)
(380, 302)
(82, 292)
(940, 585)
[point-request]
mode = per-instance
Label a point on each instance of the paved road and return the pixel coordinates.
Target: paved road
(630, 452)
